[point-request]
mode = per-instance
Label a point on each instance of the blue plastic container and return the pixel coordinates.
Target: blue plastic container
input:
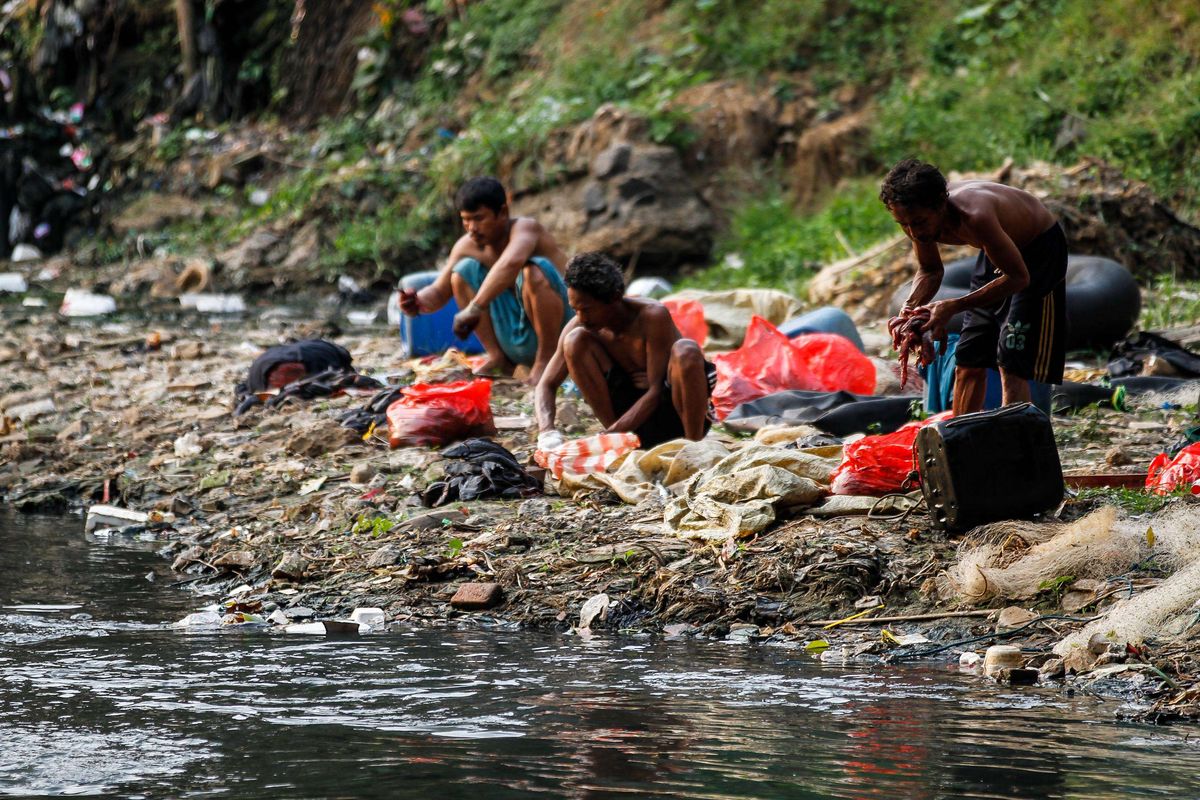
(431, 334)
(939, 384)
(826, 319)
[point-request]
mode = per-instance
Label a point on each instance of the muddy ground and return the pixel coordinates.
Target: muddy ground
(284, 512)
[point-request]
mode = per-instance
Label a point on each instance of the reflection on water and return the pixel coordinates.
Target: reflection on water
(118, 704)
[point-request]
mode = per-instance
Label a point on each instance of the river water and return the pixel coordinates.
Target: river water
(107, 699)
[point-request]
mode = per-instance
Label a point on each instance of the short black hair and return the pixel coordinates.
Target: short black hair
(596, 274)
(479, 192)
(913, 184)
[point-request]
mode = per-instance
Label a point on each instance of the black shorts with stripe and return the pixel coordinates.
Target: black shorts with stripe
(1026, 334)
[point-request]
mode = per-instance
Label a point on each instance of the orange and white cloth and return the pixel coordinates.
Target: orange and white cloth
(590, 454)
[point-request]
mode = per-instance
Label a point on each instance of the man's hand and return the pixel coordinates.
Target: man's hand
(409, 303)
(940, 314)
(895, 326)
(467, 320)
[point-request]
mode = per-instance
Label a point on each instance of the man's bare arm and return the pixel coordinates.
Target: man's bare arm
(552, 378)
(1004, 254)
(522, 243)
(438, 293)
(661, 334)
(929, 275)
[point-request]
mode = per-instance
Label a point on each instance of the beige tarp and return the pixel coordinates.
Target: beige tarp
(739, 494)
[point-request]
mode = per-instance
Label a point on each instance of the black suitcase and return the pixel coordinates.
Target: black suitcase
(989, 466)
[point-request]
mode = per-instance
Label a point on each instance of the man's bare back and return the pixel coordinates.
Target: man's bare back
(1021, 215)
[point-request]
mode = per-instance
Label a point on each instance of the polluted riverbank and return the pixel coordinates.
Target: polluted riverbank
(283, 513)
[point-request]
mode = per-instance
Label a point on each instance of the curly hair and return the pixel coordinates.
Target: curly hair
(913, 184)
(481, 192)
(596, 274)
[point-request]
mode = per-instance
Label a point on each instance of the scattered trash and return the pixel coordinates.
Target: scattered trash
(374, 618)
(439, 413)
(25, 252)
(43, 608)
(649, 286)
(329, 627)
(13, 282)
(113, 517)
(595, 608)
(200, 619)
(481, 470)
(688, 316)
(188, 445)
(362, 318)
(590, 454)
(879, 465)
(1168, 474)
(213, 303)
(82, 303)
(1000, 656)
(969, 660)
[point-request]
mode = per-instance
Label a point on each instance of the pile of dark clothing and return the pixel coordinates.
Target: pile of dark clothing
(373, 412)
(481, 469)
(301, 370)
(1132, 356)
(1145, 363)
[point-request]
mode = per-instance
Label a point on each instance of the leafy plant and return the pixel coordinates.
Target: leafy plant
(1057, 586)
(376, 526)
(455, 547)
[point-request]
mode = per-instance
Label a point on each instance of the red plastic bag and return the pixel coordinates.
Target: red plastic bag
(440, 413)
(688, 316)
(878, 465)
(768, 362)
(836, 363)
(1183, 472)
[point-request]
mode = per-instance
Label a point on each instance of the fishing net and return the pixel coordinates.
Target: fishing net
(1012, 559)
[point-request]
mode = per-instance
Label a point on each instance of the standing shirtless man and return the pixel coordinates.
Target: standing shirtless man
(628, 359)
(1017, 304)
(505, 274)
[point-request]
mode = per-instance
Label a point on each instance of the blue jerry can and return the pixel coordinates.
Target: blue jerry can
(431, 334)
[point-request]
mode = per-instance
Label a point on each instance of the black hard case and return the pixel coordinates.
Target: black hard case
(989, 466)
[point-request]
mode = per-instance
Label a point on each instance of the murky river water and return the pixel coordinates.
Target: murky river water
(105, 699)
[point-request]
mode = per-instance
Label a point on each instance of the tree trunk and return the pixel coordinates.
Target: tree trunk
(186, 17)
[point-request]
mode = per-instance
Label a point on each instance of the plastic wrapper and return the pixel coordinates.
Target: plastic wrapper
(431, 414)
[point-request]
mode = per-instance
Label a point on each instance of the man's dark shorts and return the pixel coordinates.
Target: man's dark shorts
(664, 423)
(1026, 334)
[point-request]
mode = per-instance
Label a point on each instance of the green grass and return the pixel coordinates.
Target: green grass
(779, 248)
(1170, 303)
(1133, 501)
(1003, 78)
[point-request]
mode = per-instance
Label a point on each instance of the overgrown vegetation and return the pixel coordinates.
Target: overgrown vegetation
(1056, 79)
(769, 245)
(965, 84)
